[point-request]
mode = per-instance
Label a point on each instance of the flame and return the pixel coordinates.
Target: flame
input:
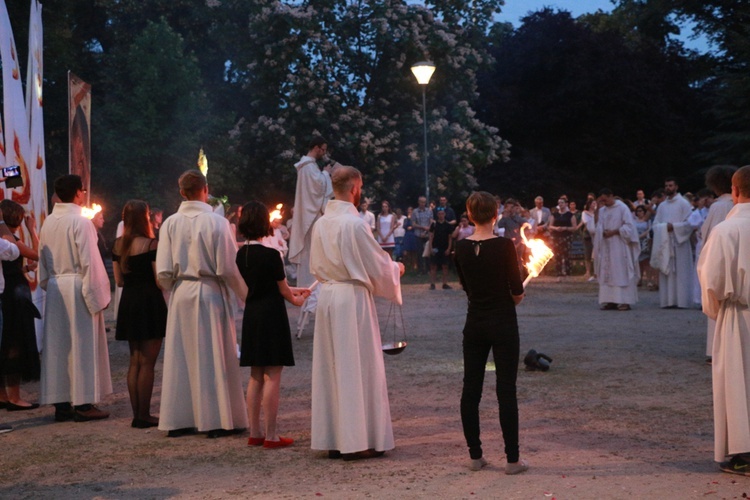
(89, 213)
(202, 163)
(540, 255)
(276, 214)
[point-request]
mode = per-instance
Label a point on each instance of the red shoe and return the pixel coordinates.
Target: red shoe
(281, 443)
(255, 441)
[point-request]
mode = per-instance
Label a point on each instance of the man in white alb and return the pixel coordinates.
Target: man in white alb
(724, 273)
(618, 247)
(350, 411)
(718, 180)
(195, 260)
(671, 252)
(75, 357)
(311, 194)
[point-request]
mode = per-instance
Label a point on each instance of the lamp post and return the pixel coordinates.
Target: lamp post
(423, 72)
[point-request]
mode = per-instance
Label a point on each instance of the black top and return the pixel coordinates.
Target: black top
(443, 232)
(491, 277)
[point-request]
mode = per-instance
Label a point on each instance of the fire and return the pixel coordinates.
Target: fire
(540, 255)
(276, 214)
(89, 213)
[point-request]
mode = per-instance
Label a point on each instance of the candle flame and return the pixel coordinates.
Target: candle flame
(203, 163)
(89, 213)
(276, 214)
(540, 255)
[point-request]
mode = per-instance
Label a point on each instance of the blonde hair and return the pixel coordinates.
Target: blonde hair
(343, 179)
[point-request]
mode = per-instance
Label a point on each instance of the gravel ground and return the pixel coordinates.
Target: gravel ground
(624, 412)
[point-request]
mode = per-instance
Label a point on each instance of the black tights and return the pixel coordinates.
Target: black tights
(505, 351)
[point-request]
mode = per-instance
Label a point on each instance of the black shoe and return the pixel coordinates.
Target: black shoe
(432, 286)
(334, 454)
(220, 433)
(5, 428)
(137, 423)
(446, 286)
(185, 431)
(362, 455)
(64, 412)
(736, 465)
(15, 407)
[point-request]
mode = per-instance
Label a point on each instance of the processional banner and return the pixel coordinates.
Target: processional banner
(79, 109)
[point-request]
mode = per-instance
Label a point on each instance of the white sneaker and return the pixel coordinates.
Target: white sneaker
(477, 464)
(516, 468)
(593, 278)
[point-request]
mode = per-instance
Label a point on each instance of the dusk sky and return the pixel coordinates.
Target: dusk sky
(513, 10)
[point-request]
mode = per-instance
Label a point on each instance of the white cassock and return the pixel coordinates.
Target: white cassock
(350, 409)
(716, 214)
(616, 265)
(75, 358)
(195, 259)
(724, 273)
(672, 254)
(310, 197)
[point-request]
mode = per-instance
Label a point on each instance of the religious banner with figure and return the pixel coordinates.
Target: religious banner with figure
(16, 145)
(79, 109)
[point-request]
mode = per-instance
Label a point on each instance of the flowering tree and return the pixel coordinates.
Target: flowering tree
(342, 69)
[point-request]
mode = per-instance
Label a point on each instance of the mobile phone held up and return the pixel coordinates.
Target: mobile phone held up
(12, 176)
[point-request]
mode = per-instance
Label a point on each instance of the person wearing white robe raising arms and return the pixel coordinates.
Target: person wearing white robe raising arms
(351, 415)
(195, 260)
(617, 249)
(724, 273)
(75, 358)
(718, 180)
(310, 197)
(671, 252)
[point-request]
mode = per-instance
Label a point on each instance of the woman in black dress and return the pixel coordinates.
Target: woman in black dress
(488, 270)
(142, 313)
(19, 356)
(266, 337)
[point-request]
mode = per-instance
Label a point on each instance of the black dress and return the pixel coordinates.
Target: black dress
(142, 313)
(19, 355)
(266, 337)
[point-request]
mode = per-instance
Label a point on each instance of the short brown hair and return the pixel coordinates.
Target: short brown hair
(192, 182)
(481, 207)
(719, 178)
(13, 213)
(741, 179)
(343, 178)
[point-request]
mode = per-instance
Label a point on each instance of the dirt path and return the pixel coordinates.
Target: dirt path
(625, 412)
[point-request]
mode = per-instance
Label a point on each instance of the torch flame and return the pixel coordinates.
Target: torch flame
(540, 255)
(276, 214)
(89, 213)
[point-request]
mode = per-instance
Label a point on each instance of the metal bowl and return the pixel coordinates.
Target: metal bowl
(394, 348)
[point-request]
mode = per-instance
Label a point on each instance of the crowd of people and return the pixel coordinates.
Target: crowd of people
(181, 282)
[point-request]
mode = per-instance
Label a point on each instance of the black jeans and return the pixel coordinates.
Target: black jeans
(479, 339)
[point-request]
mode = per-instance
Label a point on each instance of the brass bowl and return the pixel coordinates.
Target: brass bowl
(394, 348)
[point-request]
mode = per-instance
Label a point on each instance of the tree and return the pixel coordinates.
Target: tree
(586, 109)
(153, 120)
(341, 68)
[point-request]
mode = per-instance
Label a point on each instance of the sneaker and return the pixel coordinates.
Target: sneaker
(446, 286)
(84, 413)
(477, 464)
(5, 428)
(736, 465)
(432, 286)
(516, 468)
(593, 278)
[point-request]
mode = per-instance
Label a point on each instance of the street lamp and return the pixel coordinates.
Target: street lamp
(423, 72)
